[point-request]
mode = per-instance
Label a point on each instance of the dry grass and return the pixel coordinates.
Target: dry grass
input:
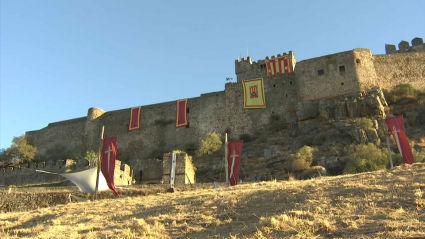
(383, 204)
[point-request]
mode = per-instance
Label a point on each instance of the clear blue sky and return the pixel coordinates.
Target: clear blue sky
(59, 58)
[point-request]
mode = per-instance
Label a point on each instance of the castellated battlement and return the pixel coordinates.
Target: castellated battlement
(404, 46)
(26, 174)
(246, 64)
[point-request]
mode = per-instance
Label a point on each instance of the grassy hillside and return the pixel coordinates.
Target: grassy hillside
(382, 204)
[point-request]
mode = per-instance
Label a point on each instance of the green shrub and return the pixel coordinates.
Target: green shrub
(246, 137)
(301, 160)
(20, 150)
(365, 123)
(367, 158)
(211, 144)
(401, 91)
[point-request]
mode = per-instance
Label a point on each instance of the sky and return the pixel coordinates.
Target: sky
(59, 58)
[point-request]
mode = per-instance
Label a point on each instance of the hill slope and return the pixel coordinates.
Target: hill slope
(384, 204)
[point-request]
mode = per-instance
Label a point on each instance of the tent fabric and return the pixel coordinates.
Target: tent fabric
(86, 180)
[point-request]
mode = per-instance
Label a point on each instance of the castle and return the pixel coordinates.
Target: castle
(340, 75)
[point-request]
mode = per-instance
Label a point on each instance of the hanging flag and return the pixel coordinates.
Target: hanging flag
(109, 154)
(396, 125)
(181, 113)
(254, 93)
(173, 168)
(234, 161)
(279, 64)
(135, 118)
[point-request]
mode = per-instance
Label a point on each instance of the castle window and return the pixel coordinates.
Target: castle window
(286, 95)
(357, 61)
(320, 72)
(290, 82)
(342, 83)
(274, 85)
(341, 68)
(187, 110)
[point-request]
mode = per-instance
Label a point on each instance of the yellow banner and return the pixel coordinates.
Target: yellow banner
(253, 91)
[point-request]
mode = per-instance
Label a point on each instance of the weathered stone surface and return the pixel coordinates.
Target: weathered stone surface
(359, 135)
(377, 91)
(390, 49)
(273, 151)
(325, 108)
(417, 41)
(340, 110)
(372, 135)
(352, 108)
(403, 46)
(306, 110)
(332, 162)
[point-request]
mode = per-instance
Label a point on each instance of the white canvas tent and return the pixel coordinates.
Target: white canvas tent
(86, 181)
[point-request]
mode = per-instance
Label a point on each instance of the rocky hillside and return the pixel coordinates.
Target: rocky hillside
(331, 126)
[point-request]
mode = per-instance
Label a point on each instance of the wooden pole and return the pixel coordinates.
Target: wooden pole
(386, 131)
(226, 160)
(99, 161)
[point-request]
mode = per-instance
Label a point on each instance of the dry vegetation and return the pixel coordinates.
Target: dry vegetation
(382, 204)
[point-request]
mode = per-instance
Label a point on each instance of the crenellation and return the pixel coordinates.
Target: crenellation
(417, 41)
(404, 46)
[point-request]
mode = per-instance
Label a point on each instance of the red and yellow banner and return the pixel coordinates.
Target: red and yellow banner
(109, 154)
(279, 64)
(181, 113)
(254, 93)
(135, 118)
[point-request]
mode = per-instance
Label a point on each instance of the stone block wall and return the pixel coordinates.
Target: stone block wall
(185, 171)
(147, 171)
(394, 69)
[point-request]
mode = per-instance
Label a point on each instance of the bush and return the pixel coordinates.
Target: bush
(301, 160)
(401, 91)
(210, 145)
(367, 158)
(365, 123)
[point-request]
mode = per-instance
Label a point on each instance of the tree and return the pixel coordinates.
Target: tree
(19, 152)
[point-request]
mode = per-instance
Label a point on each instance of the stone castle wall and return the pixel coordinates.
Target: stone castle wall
(404, 46)
(341, 74)
(25, 174)
(394, 69)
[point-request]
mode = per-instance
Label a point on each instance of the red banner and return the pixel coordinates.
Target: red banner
(135, 118)
(181, 114)
(234, 161)
(109, 154)
(396, 125)
(279, 64)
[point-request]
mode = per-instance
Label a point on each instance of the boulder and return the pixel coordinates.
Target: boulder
(359, 135)
(273, 151)
(352, 108)
(372, 135)
(306, 110)
(326, 109)
(340, 110)
(377, 91)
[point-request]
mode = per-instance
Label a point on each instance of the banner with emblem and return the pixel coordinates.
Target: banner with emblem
(279, 64)
(181, 114)
(396, 126)
(134, 118)
(254, 93)
(109, 154)
(234, 161)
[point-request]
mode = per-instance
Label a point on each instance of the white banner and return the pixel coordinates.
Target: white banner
(173, 169)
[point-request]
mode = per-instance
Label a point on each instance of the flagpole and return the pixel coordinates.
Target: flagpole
(99, 161)
(226, 160)
(388, 144)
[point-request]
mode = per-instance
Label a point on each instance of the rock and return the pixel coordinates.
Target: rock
(372, 135)
(306, 110)
(359, 135)
(340, 110)
(377, 91)
(273, 151)
(325, 108)
(352, 108)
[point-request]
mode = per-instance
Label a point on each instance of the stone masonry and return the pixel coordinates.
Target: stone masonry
(345, 74)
